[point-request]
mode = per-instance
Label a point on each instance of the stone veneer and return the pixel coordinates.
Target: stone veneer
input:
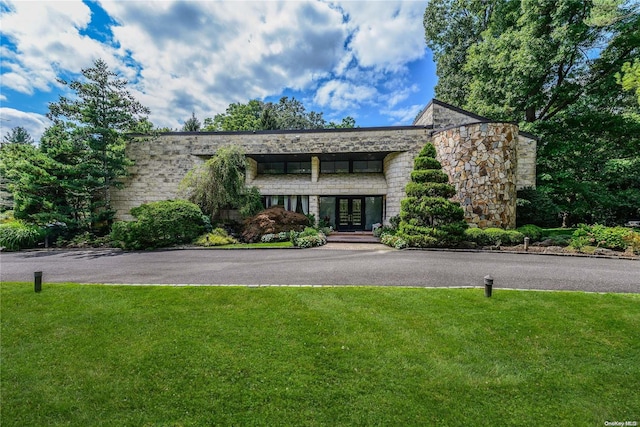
(486, 162)
(481, 160)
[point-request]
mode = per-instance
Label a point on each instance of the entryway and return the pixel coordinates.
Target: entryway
(349, 215)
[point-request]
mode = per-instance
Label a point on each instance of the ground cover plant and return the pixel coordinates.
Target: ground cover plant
(111, 355)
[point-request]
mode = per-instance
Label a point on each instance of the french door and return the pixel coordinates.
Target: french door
(350, 213)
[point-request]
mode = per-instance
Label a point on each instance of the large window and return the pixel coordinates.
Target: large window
(351, 166)
(279, 168)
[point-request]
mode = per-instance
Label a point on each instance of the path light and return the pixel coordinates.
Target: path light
(488, 286)
(37, 281)
(526, 244)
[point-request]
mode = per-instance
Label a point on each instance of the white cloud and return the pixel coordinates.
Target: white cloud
(343, 96)
(184, 56)
(33, 123)
(388, 34)
(404, 115)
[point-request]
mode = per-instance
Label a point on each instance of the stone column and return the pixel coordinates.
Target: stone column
(481, 161)
(315, 168)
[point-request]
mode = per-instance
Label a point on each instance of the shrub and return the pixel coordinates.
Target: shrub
(159, 224)
(533, 232)
(633, 242)
(16, 235)
(278, 237)
(217, 237)
(393, 241)
(616, 238)
(494, 236)
(308, 238)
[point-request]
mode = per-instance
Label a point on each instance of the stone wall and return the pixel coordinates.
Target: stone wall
(481, 160)
(486, 162)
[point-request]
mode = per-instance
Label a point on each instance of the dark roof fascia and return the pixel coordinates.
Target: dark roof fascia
(290, 132)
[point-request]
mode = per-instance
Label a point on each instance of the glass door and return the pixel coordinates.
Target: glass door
(350, 213)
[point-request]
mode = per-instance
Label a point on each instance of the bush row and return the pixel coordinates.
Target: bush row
(616, 238)
(494, 236)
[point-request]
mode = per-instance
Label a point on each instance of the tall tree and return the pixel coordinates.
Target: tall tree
(99, 115)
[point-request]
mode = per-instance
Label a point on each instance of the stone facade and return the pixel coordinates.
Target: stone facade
(486, 190)
(481, 160)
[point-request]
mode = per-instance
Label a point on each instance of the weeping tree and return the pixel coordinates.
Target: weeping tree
(219, 184)
(427, 217)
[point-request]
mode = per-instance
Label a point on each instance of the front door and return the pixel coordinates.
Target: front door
(350, 213)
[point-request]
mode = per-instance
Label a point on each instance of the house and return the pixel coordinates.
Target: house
(350, 178)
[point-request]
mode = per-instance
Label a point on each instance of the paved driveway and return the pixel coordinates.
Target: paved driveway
(373, 265)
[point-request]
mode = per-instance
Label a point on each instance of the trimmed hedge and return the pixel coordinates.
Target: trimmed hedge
(160, 224)
(429, 189)
(533, 232)
(494, 236)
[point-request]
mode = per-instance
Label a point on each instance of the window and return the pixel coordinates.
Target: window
(367, 166)
(351, 166)
(341, 166)
(279, 168)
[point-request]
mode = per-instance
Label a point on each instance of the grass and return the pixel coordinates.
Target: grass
(90, 355)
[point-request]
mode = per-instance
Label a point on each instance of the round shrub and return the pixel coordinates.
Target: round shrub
(533, 232)
(159, 224)
(308, 238)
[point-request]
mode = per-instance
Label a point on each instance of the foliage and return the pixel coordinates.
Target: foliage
(217, 237)
(533, 232)
(17, 135)
(159, 224)
(494, 236)
(192, 124)
(589, 167)
(16, 235)
(629, 77)
(535, 206)
(308, 238)
(393, 241)
(68, 177)
(560, 68)
(287, 114)
(98, 118)
(219, 184)
(283, 236)
(427, 217)
(616, 238)
(525, 60)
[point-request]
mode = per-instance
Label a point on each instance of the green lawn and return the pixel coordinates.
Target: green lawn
(88, 355)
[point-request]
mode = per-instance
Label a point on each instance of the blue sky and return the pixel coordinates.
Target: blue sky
(366, 59)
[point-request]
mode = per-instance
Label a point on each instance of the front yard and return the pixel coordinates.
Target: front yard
(108, 355)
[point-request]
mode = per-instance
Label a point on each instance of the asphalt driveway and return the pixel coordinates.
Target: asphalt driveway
(341, 265)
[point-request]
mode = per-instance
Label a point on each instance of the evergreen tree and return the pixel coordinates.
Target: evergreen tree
(192, 124)
(98, 118)
(18, 135)
(427, 217)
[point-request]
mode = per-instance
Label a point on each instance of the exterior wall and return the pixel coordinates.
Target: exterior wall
(480, 160)
(162, 162)
(486, 162)
(527, 151)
